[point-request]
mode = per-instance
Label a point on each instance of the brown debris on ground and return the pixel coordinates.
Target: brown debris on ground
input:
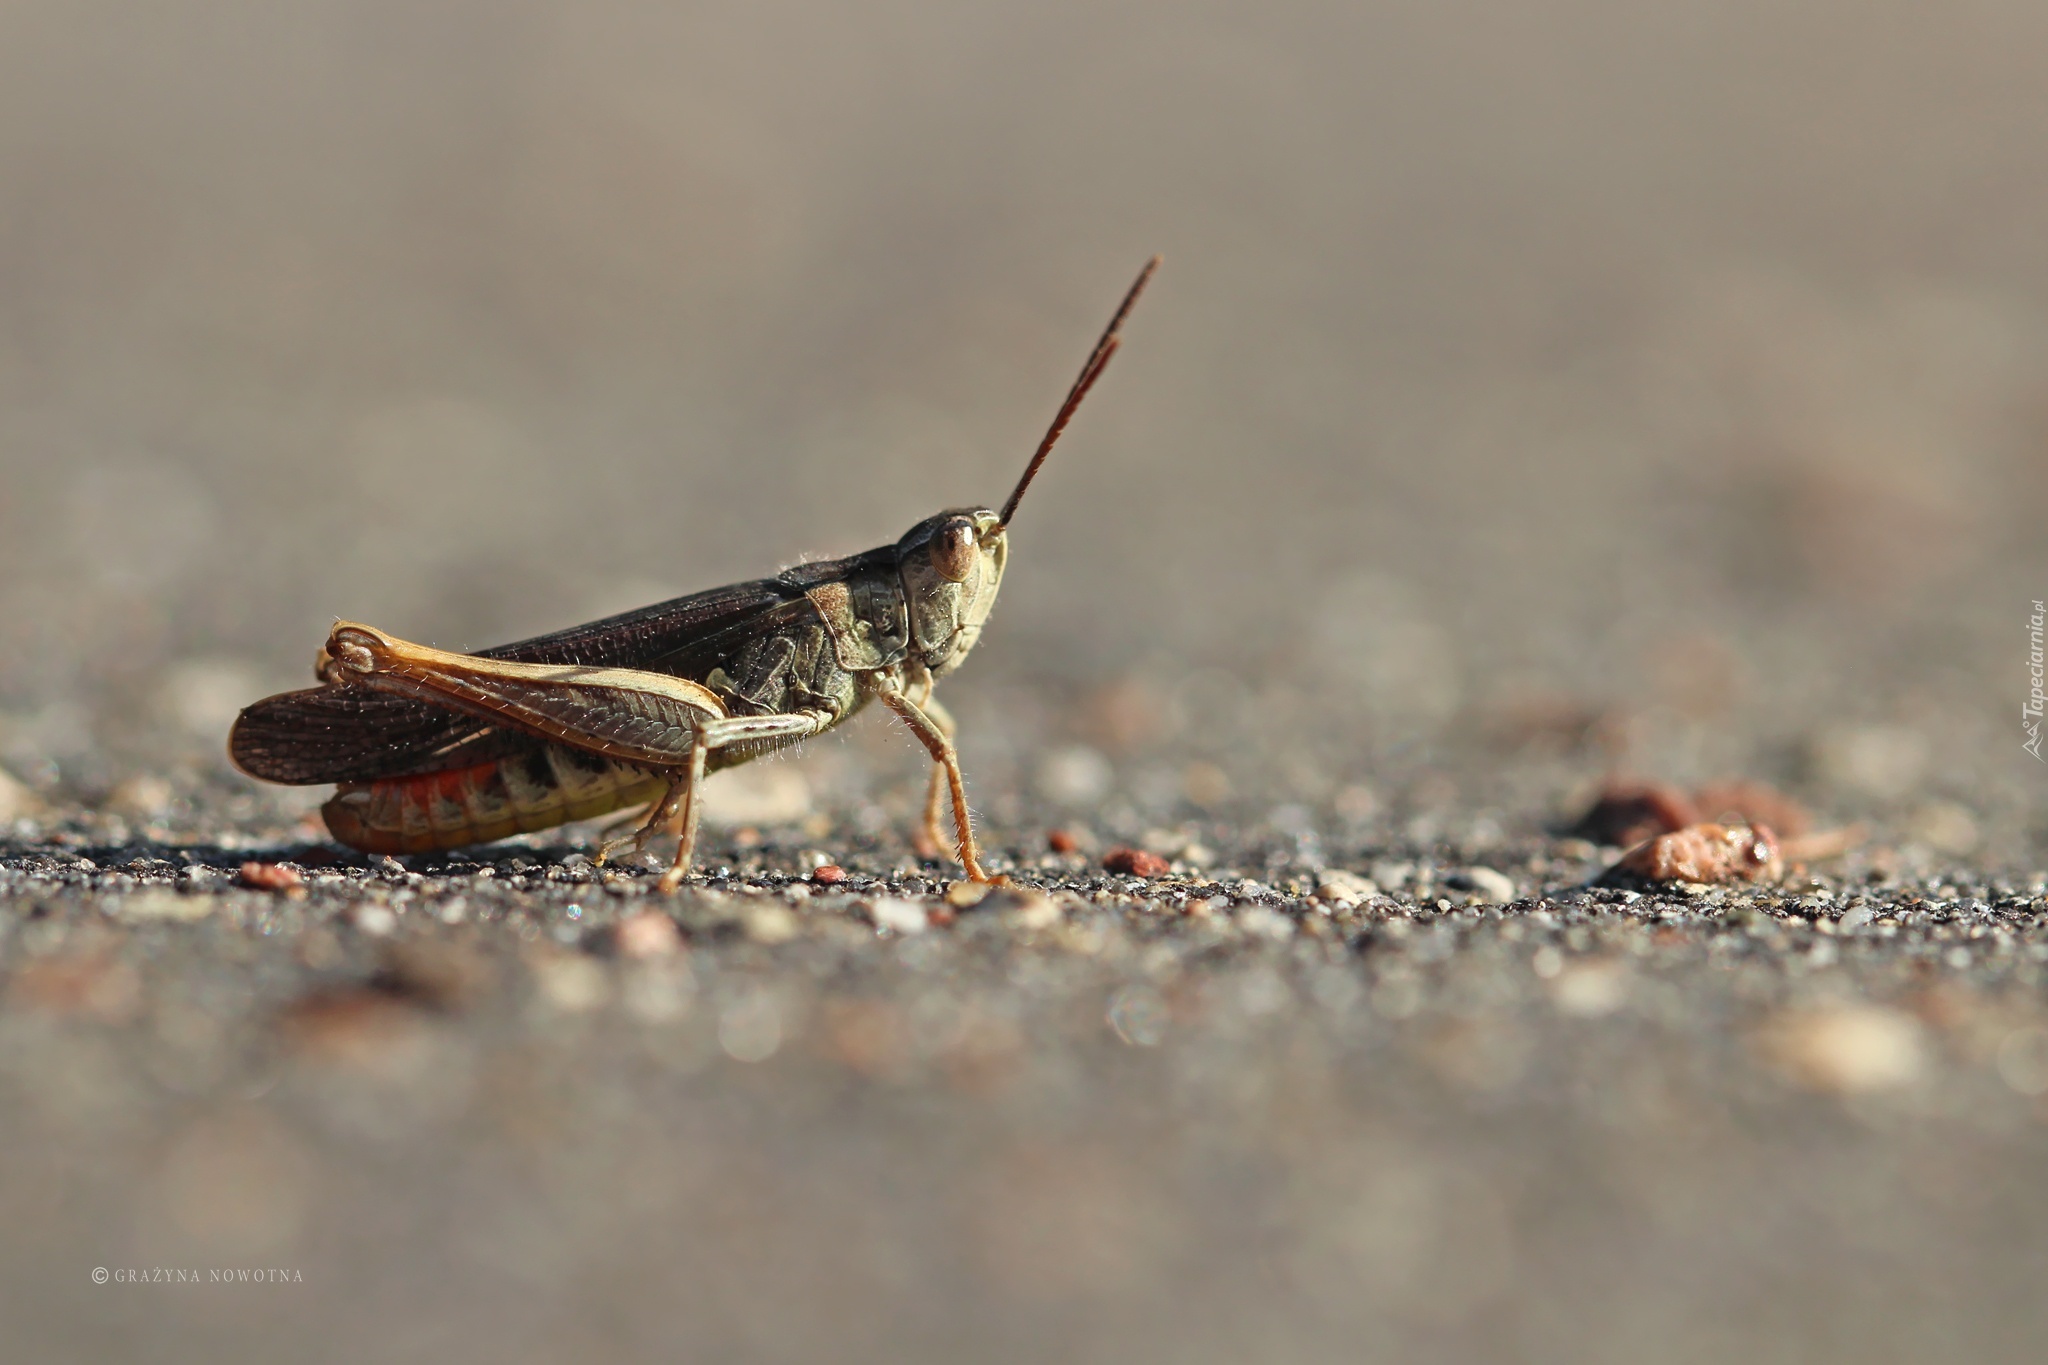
(1667, 831)
(271, 877)
(1707, 853)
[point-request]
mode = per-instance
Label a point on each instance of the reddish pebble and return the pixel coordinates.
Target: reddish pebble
(1062, 841)
(828, 874)
(271, 876)
(1707, 853)
(1135, 862)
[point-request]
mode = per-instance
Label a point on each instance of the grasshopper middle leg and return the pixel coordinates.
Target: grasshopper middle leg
(685, 802)
(643, 826)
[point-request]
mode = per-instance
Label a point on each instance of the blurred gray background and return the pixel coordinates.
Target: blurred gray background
(1507, 359)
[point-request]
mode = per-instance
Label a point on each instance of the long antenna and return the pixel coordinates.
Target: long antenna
(1092, 371)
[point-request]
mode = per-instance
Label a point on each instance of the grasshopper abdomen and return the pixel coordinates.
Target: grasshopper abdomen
(546, 786)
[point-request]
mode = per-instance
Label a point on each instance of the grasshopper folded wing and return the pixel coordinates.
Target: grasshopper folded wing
(627, 714)
(353, 732)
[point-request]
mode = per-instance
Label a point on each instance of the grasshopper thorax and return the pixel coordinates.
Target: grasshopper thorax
(950, 566)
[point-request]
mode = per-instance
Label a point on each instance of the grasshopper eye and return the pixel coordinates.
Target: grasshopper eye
(953, 549)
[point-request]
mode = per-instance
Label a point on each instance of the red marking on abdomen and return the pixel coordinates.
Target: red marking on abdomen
(483, 802)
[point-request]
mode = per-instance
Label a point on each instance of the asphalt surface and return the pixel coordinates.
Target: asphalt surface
(512, 1106)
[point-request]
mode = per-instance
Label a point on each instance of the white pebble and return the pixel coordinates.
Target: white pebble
(1849, 1048)
(1497, 887)
(375, 920)
(899, 916)
(1345, 888)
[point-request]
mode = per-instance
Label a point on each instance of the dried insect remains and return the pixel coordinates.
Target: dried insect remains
(433, 750)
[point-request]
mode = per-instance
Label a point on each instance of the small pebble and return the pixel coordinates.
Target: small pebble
(966, 895)
(1135, 862)
(1032, 909)
(1344, 889)
(828, 874)
(271, 877)
(1496, 887)
(1062, 841)
(899, 916)
(375, 920)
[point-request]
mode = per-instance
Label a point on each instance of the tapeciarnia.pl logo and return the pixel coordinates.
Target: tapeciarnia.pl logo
(2030, 714)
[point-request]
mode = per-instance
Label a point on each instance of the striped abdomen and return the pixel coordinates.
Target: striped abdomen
(539, 789)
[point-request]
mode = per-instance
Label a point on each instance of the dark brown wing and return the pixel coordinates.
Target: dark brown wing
(354, 734)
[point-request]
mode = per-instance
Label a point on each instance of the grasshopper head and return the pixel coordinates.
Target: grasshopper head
(951, 565)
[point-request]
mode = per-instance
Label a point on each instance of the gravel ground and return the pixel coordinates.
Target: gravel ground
(1455, 1105)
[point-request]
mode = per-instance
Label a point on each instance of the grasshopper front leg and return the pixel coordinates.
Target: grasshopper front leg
(938, 743)
(930, 840)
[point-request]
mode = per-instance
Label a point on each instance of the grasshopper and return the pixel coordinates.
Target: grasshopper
(434, 750)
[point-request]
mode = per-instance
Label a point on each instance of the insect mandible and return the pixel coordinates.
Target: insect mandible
(433, 750)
